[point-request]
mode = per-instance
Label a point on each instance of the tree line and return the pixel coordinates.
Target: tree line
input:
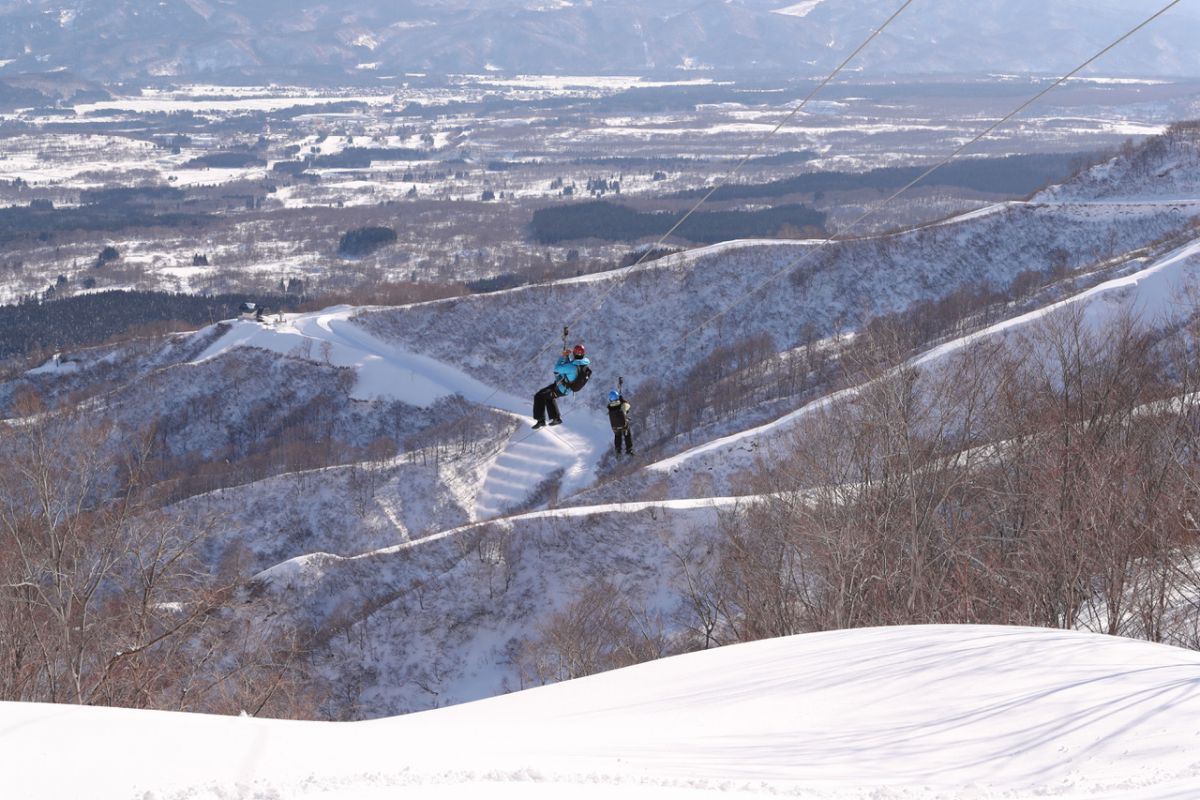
(613, 222)
(1016, 175)
(43, 223)
(91, 318)
(105, 600)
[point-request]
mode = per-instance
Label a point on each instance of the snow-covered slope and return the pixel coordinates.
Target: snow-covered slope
(446, 617)
(917, 712)
(1156, 295)
(1166, 168)
(657, 320)
(456, 607)
(383, 370)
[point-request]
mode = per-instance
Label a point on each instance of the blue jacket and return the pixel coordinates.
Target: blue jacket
(565, 370)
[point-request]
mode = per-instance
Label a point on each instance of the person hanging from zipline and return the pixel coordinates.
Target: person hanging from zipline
(571, 372)
(618, 419)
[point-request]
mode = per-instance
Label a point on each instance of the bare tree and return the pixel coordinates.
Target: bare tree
(1042, 479)
(105, 598)
(600, 630)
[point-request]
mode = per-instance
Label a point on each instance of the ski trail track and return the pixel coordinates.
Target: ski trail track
(569, 453)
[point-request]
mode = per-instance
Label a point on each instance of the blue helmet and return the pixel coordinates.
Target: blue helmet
(614, 396)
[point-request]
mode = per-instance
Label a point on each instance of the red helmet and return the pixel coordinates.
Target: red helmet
(579, 352)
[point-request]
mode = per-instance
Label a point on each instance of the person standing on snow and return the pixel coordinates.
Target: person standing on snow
(618, 418)
(571, 372)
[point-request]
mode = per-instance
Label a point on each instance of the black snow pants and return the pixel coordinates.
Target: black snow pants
(546, 400)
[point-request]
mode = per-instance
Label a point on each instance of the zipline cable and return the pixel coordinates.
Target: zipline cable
(724, 180)
(958, 151)
(880, 206)
(758, 148)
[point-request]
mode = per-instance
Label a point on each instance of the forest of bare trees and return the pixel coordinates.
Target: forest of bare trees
(1046, 480)
(1049, 478)
(107, 600)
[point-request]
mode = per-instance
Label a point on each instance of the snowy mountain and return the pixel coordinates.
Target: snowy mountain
(447, 539)
(376, 500)
(138, 39)
(918, 712)
(458, 607)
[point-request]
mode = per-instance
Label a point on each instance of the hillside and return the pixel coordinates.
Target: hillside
(462, 612)
(377, 528)
(914, 512)
(917, 712)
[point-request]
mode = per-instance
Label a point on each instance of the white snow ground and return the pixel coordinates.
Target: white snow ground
(385, 370)
(880, 713)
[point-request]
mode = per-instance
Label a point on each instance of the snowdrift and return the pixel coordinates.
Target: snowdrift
(911, 712)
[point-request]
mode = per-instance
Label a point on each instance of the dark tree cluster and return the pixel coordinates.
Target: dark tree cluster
(643, 256)
(604, 220)
(102, 210)
(232, 160)
(131, 195)
(292, 168)
(364, 241)
(93, 318)
(107, 255)
(424, 176)
(1010, 175)
(496, 283)
(291, 112)
(361, 157)
(598, 186)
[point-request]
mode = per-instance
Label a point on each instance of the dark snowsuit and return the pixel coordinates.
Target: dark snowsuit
(618, 419)
(546, 400)
(566, 370)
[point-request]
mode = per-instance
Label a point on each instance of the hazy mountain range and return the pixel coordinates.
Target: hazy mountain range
(136, 39)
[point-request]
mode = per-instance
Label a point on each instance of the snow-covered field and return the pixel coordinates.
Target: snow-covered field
(526, 153)
(903, 713)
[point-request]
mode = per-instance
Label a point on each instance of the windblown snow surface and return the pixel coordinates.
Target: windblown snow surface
(905, 712)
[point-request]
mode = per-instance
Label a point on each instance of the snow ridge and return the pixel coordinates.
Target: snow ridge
(1020, 712)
